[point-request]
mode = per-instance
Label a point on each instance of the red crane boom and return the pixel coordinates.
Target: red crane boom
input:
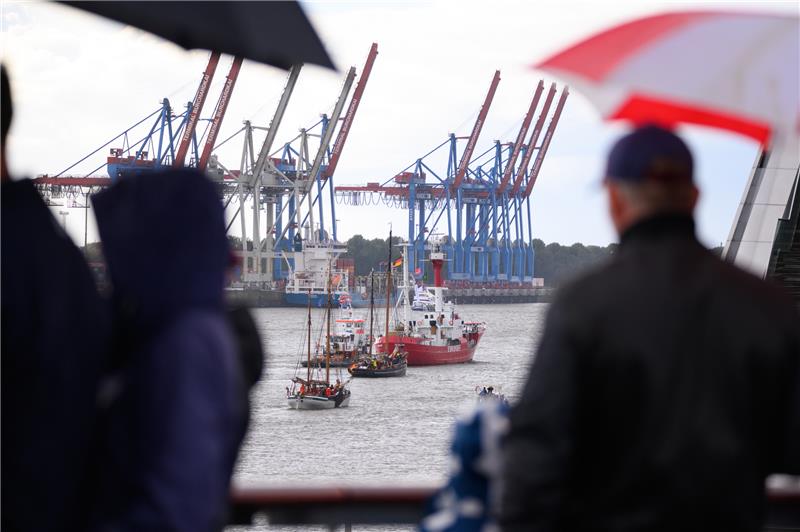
(537, 130)
(476, 131)
(219, 112)
(197, 107)
(341, 138)
(551, 128)
(526, 123)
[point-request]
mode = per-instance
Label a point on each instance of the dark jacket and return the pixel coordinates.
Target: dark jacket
(175, 426)
(55, 344)
(660, 396)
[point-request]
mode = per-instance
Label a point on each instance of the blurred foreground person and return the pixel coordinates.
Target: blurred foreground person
(665, 385)
(55, 345)
(177, 417)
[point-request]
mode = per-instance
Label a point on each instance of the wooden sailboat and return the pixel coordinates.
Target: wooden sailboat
(317, 394)
(349, 340)
(393, 364)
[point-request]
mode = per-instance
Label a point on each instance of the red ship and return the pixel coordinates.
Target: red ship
(433, 337)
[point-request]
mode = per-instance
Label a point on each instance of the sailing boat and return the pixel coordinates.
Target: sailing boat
(349, 338)
(393, 363)
(318, 394)
(440, 336)
(375, 364)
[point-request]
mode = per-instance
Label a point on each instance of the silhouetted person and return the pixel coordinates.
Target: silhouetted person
(175, 426)
(666, 382)
(55, 342)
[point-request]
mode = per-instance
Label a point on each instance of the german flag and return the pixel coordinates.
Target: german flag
(398, 262)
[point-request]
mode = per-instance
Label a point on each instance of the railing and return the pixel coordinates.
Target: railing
(331, 506)
(786, 229)
(344, 506)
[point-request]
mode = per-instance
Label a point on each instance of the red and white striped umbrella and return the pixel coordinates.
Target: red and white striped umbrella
(735, 71)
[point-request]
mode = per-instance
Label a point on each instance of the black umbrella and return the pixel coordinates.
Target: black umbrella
(276, 33)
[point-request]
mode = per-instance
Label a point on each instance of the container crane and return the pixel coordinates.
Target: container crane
(256, 178)
(548, 136)
(519, 143)
(466, 156)
(282, 182)
(489, 214)
(195, 110)
(347, 123)
(537, 130)
(219, 113)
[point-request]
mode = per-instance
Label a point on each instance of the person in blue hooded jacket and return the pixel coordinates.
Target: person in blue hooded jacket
(55, 343)
(176, 412)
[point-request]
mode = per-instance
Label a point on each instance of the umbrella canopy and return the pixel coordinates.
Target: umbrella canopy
(275, 33)
(735, 71)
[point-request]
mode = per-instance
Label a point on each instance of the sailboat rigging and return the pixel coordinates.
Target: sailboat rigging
(318, 394)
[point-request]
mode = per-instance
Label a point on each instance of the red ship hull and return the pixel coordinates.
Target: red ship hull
(421, 353)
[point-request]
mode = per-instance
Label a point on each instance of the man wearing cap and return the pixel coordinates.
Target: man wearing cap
(665, 387)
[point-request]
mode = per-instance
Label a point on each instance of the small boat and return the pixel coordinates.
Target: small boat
(378, 365)
(317, 395)
(314, 392)
(488, 394)
(348, 341)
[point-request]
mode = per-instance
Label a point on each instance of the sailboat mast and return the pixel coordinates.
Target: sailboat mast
(328, 333)
(308, 376)
(371, 308)
(388, 293)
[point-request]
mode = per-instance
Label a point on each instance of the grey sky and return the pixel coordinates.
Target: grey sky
(80, 80)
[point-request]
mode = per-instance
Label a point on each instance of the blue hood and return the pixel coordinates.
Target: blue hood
(164, 242)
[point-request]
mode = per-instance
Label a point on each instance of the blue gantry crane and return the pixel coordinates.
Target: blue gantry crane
(480, 202)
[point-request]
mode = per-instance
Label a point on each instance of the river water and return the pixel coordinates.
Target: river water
(395, 431)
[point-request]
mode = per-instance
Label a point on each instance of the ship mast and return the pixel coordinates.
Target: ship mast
(371, 307)
(308, 376)
(328, 333)
(406, 287)
(388, 293)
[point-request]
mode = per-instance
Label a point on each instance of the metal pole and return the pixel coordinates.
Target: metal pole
(328, 332)
(371, 308)
(85, 219)
(388, 294)
(308, 374)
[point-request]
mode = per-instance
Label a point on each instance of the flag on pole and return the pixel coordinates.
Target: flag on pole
(397, 262)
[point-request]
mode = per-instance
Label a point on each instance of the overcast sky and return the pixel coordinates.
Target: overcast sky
(79, 80)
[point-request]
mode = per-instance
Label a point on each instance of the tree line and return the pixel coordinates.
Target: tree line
(553, 262)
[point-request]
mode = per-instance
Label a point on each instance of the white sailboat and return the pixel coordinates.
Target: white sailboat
(314, 393)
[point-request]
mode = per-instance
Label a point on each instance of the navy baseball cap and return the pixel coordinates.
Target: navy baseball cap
(650, 153)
